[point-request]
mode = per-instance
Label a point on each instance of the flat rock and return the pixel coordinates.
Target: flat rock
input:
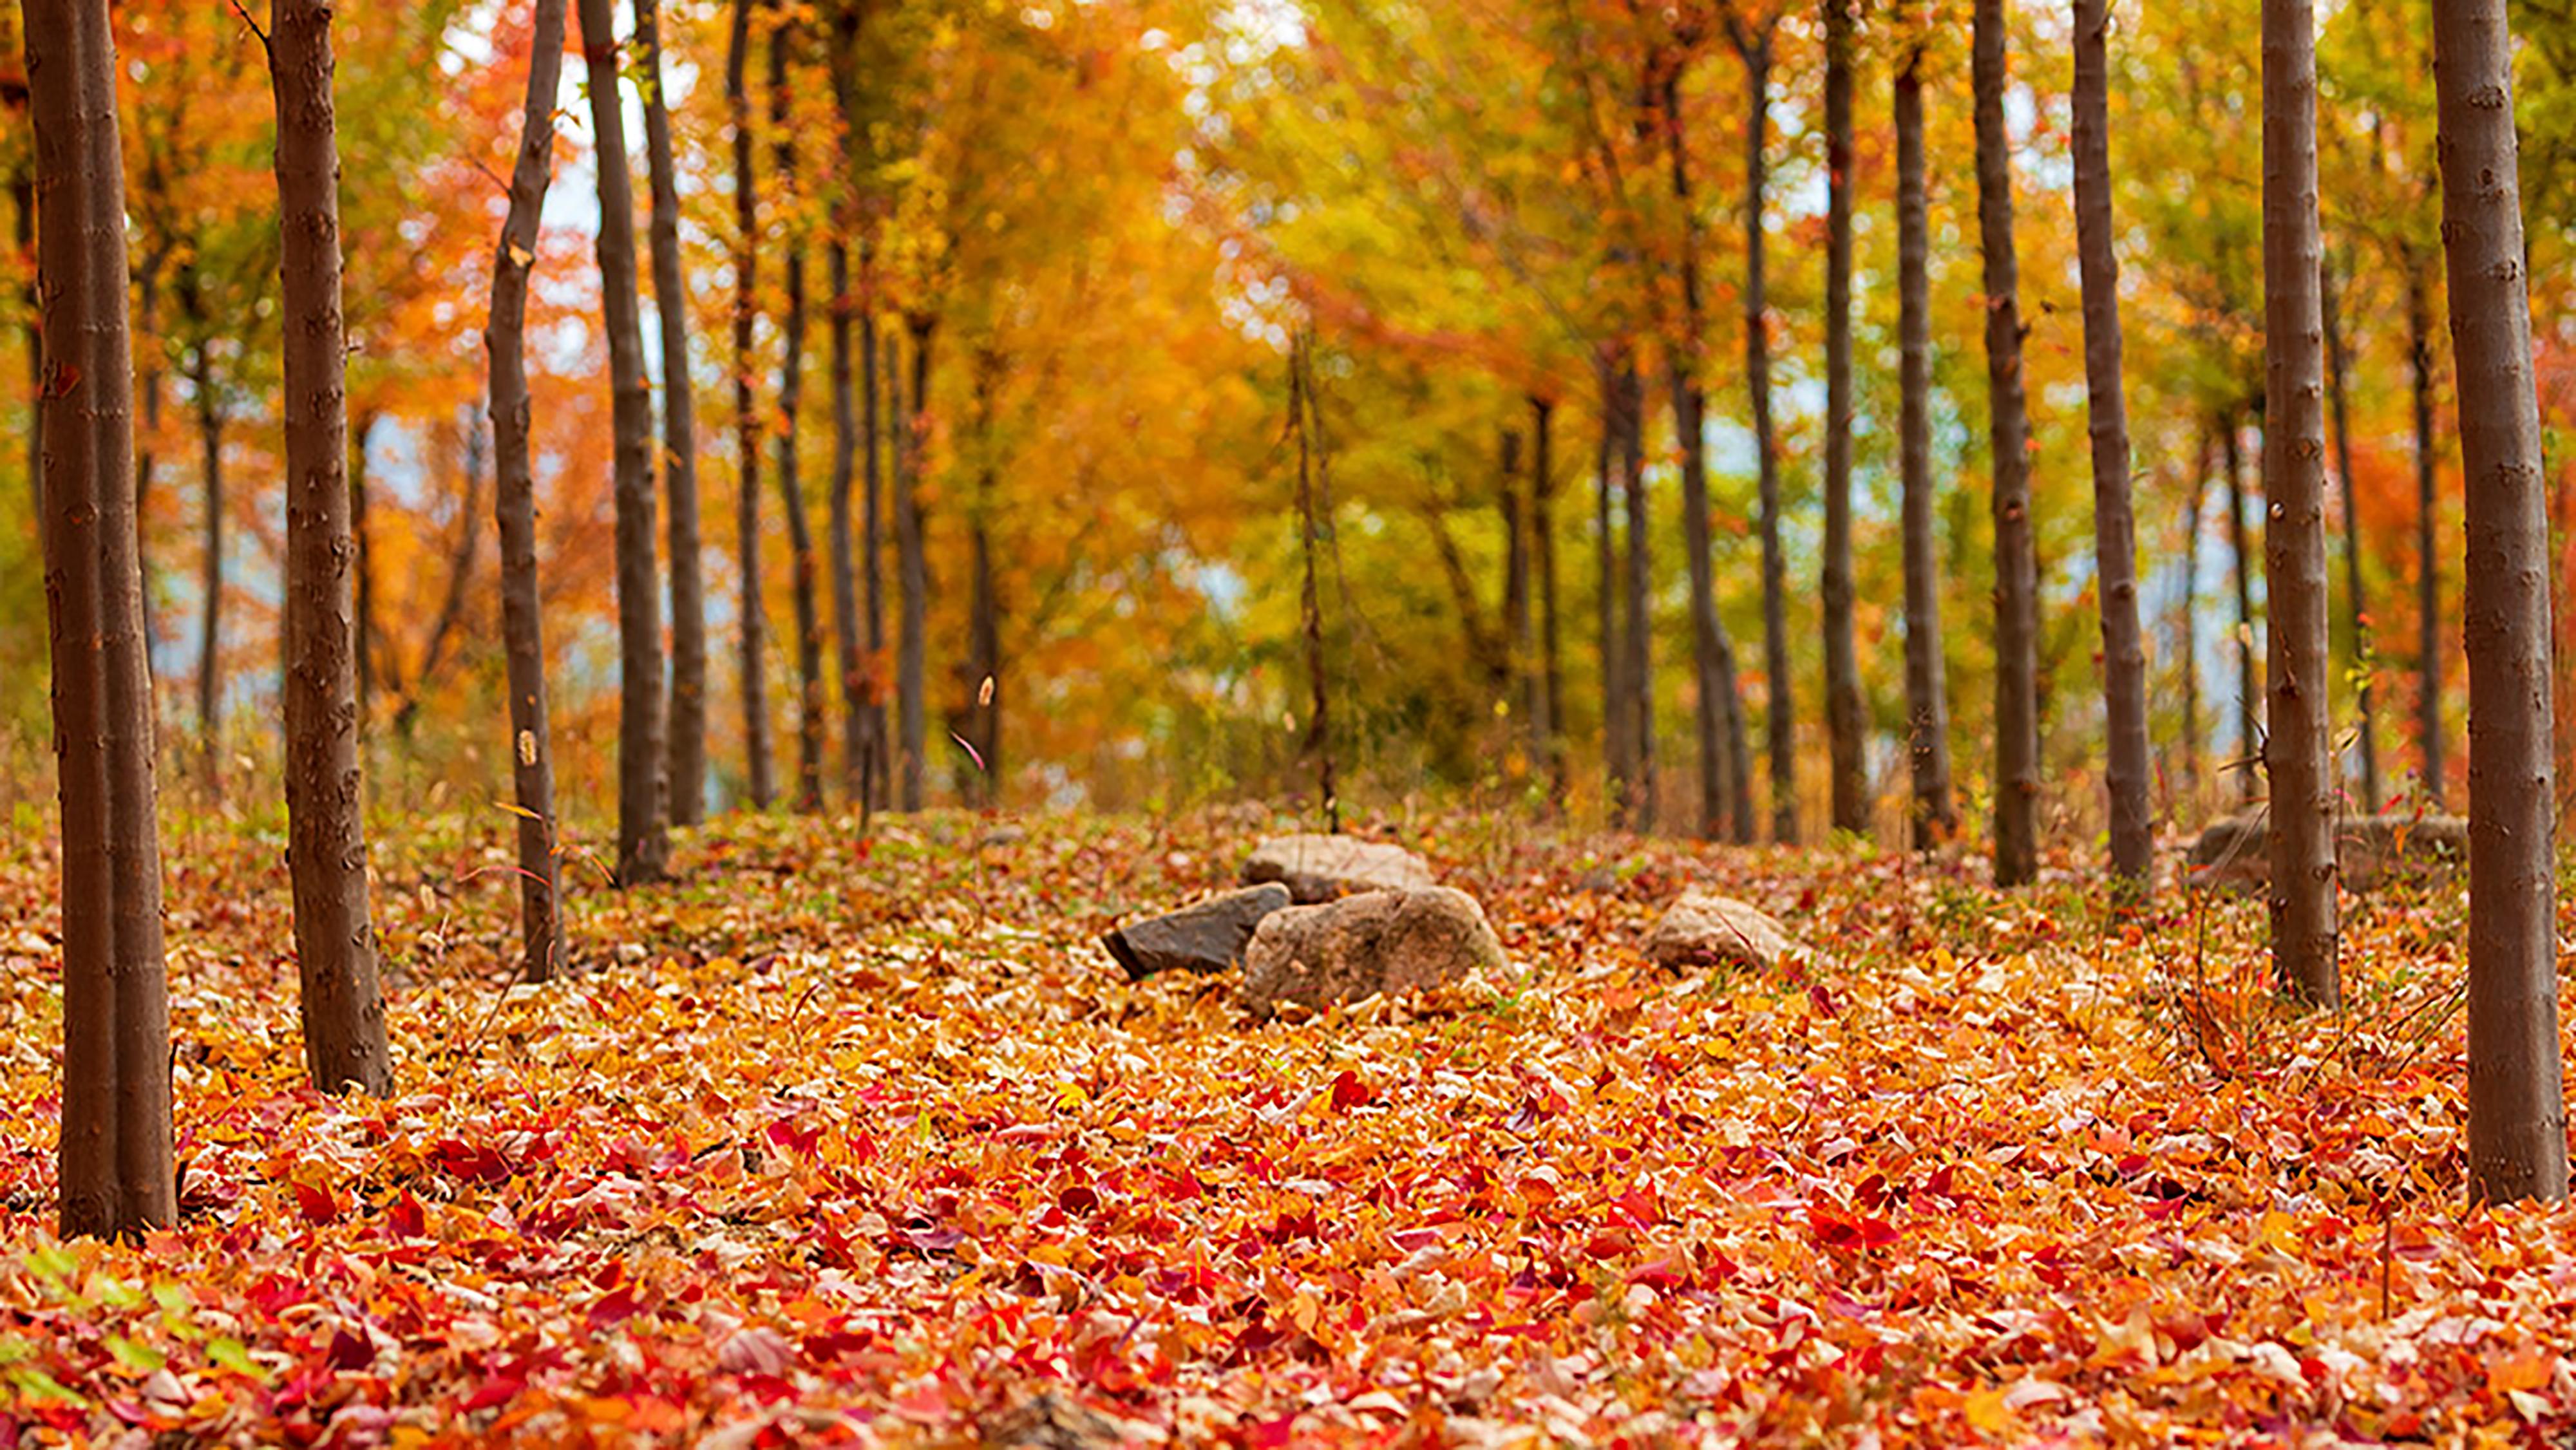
(1703, 929)
(2369, 850)
(1321, 868)
(1359, 946)
(1208, 936)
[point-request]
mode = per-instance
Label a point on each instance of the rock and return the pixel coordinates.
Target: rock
(2369, 850)
(1703, 929)
(1005, 834)
(1206, 937)
(1359, 946)
(1321, 868)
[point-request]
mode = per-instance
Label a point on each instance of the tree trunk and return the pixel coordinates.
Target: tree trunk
(2008, 426)
(982, 713)
(2356, 604)
(115, 1149)
(2428, 559)
(746, 418)
(1927, 691)
(22, 200)
(1310, 606)
(875, 379)
(2298, 750)
(685, 744)
(791, 486)
(2115, 548)
(1638, 625)
(514, 508)
(2517, 1110)
(210, 579)
(147, 302)
(1547, 683)
(460, 579)
(914, 567)
(2248, 722)
(2187, 642)
(364, 634)
(1618, 741)
(1512, 502)
(641, 843)
(1755, 52)
(1845, 725)
(844, 563)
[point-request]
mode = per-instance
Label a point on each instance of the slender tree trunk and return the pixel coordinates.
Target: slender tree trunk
(1755, 52)
(685, 765)
(2016, 559)
(874, 351)
(2115, 549)
(914, 567)
(746, 417)
(1638, 626)
(1927, 690)
(2428, 559)
(844, 564)
(1310, 607)
(1512, 502)
(2298, 749)
(2356, 604)
(1618, 740)
(2517, 1108)
(641, 844)
(364, 634)
(810, 729)
(147, 303)
(210, 579)
(1547, 683)
(983, 708)
(2187, 641)
(460, 580)
(2248, 692)
(115, 1150)
(22, 201)
(335, 937)
(514, 508)
(1845, 722)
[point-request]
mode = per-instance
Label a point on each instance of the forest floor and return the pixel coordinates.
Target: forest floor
(846, 1141)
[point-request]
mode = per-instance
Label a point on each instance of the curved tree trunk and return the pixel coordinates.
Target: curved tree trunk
(685, 742)
(2517, 1107)
(2298, 750)
(641, 844)
(1782, 725)
(2115, 549)
(115, 1152)
(2428, 559)
(2356, 603)
(2249, 730)
(514, 508)
(791, 486)
(1845, 725)
(1927, 690)
(753, 643)
(914, 566)
(335, 937)
(2008, 427)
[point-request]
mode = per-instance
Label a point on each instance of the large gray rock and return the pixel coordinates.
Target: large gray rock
(1703, 929)
(1207, 937)
(1359, 946)
(1321, 868)
(2369, 850)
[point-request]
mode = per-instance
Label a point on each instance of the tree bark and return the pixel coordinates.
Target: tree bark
(460, 580)
(844, 563)
(1547, 683)
(2248, 721)
(1310, 607)
(1618, 740)
(982, 711)
(2428, 559)
(752, 639)
(2298, 750)
(791, 485)
(335, 937)
(2008, 426)
(1845, 722)
(514, 508)
(1638, 625)
(642, 846)
(1754, 50)
(2115, 549)
(2187, 642)
(874, 377)
(685, 743)
(2517, 1108)
(115, 1149)
(2356, 603)
(147, 303)
(1927, 690)
(1511, 500)
(22, 200)
(364, 634)
(210, 579)
(913, 565)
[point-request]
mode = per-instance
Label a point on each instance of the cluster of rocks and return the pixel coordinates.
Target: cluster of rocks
(2370, 851)
(1325, 919)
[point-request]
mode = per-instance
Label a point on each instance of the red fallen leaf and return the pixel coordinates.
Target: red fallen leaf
(933, 1240)
(786, 1134)
(1349, 1093)
(615, 1308)
(1078, 1199)
(494, 1393)
(404, 1217)
(317, 1204)
(756, 1352)
(349, 1352)
(473, 1162)
(1821, 1000)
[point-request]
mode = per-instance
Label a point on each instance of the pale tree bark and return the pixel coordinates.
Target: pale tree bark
(1927, 688)
(335, 936)
(642, 846)
(514, 508)
(752, 637)
(2298, 746)
(2008, 428)
(2428, 559)
(2249, 731)
(685, 742)
(2517, 1108)
(115, 1163)
(1753, 48)
(791, 484)
(2356, 603)
(2115, 550)
(913, 564)
(1845, 725)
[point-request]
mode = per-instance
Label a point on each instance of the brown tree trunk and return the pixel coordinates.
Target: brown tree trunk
(1927, 690)
(913, 565)
(753, 644)
(2248, 722)
(982, 711)
(2187, 641)
(2008, 426)
(1512, 502)
(1845, 722)
(22, 201)
(335, 936)
(875, 377)
(642, 846)
(147, 304)
(791, 486)
(1638, 624)
(2428, 559)
(210, 579)
(2115, 549)
(115, 1151)
(460, 577)
(2298, 748)
(844, 563)
(1306, 423)
(2517, 1107)
(2356, 603)
(514, 508)
(1547, 683)
(1755, 52)
(364, 634)
(1618, 740)
(685, 742)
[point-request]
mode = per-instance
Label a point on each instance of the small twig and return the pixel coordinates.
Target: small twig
(253, 27)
